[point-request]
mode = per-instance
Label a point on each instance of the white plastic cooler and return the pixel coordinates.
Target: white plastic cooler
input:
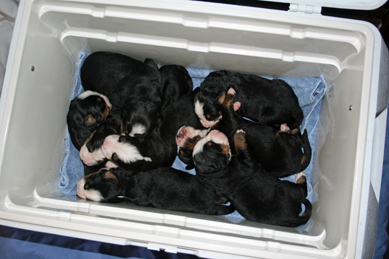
(48, 39)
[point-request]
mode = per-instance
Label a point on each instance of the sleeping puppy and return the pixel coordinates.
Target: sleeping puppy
(102, 71)
(131, 85)
(281, 151)
(86, 112)
(139, 98)
(175, 82)
(164, 188)
(186, 139)
(270, 102)
(256, 194)
(159, 148)
(91, 152)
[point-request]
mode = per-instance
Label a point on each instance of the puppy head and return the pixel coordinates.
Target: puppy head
(208, 106)
(186, 139)
(298, 145)
(103, 185)
(212, 153)
(86, 112)
(122, 149)
(91, 152)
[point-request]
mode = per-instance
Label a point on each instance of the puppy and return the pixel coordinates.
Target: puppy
(270, 102)
(186, 139)
(86, 112)
(256, 194)
(164, 188)
(102, 71)
(281, 151)
(175, 82)
(131, 85)
(91, 152)
(139, 97)
(159, 148)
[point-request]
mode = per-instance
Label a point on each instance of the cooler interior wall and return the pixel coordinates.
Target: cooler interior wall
(268, 45)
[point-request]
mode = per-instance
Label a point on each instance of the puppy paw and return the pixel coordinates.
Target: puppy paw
(240, 140)
(111, 164)
(284, 127)
(229, 99)
(240, 131)
(231, 91)
(236, 106)
(301, 178)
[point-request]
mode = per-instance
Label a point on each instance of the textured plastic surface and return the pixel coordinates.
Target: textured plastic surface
(48, 39)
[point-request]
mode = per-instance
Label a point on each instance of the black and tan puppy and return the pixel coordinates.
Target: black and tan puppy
(281, 151)
(159, 148)
(270, 102)
(131, 85)
(175, 83)
(186, 139)
(86, 112)
(164, 188)
(256, 194)
(91, 152)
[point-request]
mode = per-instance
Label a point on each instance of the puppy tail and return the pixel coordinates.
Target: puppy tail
(304, 217)
(306, 159)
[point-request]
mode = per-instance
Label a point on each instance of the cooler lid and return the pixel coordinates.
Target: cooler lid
(341, 4)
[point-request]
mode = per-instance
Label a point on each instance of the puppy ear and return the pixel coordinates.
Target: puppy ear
(110, 177)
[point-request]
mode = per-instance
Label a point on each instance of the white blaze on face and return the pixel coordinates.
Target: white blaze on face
(214, 136)
(89, 158)
(92, 195)
(137, 129)
(126, 152)
(90, 93)
(199, 110)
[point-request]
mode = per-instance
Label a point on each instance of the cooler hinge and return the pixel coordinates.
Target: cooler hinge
(303, 8)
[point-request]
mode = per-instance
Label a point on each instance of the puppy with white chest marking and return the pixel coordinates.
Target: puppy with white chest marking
(164, 188)
(91, 152)
(86, 112)
(270, 102)
(256, 194)
(159, 148)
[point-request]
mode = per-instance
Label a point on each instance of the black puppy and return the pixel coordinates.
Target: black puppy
(86, 112)
(159, 148)
(175, 82)
(102, 71)
(270, 102)
(164, 188)
(281, 151)
(256, 194)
